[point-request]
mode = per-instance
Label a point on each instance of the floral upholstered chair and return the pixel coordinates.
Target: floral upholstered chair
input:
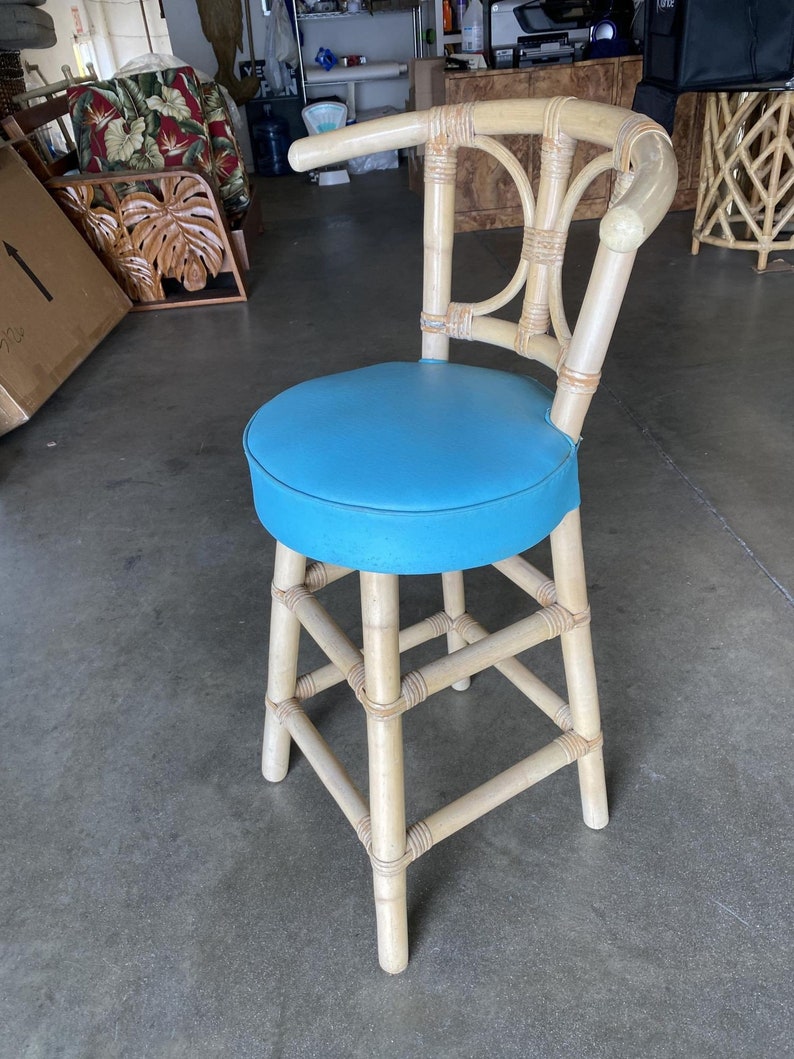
(156, 121)
(162, 196)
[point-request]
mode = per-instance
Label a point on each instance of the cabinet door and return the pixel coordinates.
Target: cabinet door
(486, 196)
(594, 80)
(629, 76)
(690, 113)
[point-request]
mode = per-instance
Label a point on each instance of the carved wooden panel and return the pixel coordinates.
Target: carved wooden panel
(168, 227)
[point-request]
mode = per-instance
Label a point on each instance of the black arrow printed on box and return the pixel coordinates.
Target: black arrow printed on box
(13, 252)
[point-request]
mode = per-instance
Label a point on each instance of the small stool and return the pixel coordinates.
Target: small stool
(747, 173)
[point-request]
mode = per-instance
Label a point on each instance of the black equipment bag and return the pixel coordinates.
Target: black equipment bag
(714, 45)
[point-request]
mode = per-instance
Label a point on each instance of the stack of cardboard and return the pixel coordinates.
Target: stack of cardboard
(426, 83)
(57, 301)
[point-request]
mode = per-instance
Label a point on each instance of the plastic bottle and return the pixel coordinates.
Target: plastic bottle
(447, 13)
(472, 27)
(271, 141)
(460, 11)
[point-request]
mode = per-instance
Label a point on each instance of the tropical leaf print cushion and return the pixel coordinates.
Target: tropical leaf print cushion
(148, 121)
(230, 174)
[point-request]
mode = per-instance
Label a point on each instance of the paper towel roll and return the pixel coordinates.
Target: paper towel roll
(380, 71)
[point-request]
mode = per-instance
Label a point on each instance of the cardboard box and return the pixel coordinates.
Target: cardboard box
(426, 83)
(57, 301)
(426, 87)
(250, 229)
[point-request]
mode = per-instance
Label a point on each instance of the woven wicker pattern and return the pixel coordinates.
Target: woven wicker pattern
(558, 607)
(12, 81)
(746, 194)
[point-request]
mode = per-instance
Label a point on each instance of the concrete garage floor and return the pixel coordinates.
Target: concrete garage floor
(161, 900)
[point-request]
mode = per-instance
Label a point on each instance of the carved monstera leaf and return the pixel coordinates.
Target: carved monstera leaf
(178, 235)
(136, 276)
(101, 227)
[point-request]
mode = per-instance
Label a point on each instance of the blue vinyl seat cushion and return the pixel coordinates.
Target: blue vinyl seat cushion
(411, 468)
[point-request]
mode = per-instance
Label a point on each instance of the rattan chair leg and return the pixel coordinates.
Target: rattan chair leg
(380, 615)
(290, 569)
(577, 653)
(454, 606)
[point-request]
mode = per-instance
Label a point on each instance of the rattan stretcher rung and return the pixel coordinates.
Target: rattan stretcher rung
(528, 578)
(310, 684)
(422, 835)
(531, 686)
(326, 764)
(486, 650)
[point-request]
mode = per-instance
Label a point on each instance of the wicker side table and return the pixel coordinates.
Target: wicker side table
(746, 192)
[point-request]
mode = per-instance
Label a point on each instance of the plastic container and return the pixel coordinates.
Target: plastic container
(326, 58)
(324, 116)
(460, 11)
(271, 141)
(472, 27)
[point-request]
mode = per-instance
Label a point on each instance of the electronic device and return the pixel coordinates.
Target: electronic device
(544, 49)
(516, 28)
(505, 21)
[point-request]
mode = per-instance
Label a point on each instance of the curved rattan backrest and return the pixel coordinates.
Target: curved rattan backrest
(636, 149)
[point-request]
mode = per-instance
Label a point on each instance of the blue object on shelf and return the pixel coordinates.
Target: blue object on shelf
(326, 58)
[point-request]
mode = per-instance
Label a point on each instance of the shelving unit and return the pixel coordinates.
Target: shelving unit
(352, 33)
(442, 39)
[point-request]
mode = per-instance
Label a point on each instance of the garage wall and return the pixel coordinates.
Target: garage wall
(114, 27)
(385, 36)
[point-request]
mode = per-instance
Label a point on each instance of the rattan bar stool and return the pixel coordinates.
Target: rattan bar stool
(747, 174)
(433, 467)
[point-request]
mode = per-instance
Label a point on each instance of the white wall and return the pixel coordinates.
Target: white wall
(116, 29)
(382, 36)
(187, 40)
(50, 60)
(120, 24)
